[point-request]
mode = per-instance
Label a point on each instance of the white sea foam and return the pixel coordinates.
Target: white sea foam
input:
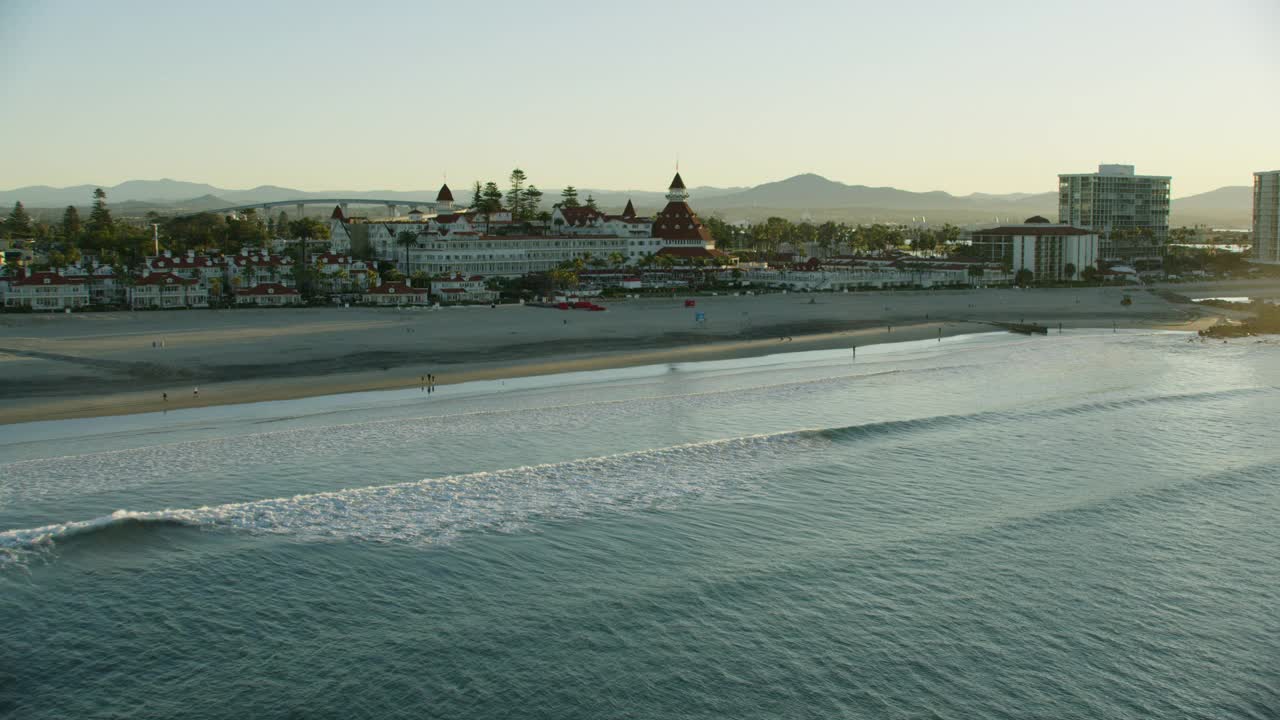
(437, 509)
(245, 455)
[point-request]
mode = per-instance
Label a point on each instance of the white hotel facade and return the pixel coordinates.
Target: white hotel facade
(472, 244)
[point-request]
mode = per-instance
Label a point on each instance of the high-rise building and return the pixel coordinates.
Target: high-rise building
(1266, 217)
(1129, 211)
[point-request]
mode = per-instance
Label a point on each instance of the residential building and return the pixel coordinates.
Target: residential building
(1266, 217)
(397, 293)
(209, 271)
(342, 273)
(258, 267)
(268, 295)
(1051, 252)
(1129, 212)
(167, 290)
(47, 291)
(459, 288)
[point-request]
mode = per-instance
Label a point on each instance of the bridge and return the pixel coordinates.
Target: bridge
(301, 203)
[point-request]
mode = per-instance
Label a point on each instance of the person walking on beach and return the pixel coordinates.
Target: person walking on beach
(195, 392)
(166, 396)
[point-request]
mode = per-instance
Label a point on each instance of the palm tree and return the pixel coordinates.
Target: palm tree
(406, 240)
(617, 259)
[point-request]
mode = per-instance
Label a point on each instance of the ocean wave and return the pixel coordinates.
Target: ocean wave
(242, 454)
(438, 509)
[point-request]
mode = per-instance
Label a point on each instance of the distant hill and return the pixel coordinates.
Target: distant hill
(1233, 197)
(805, 195)
(205, 202)
(815, 191)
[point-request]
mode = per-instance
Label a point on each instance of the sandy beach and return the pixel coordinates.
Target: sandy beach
(97, 364)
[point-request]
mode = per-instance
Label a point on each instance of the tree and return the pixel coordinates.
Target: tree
(101, 227)
(569, 197)
(1070, 270)
(18, 224)
(477, 196)
(1023, 278)
(591, 202)
(976, 271)
(306, 229)
(407, 239)
(617, 259)
(282, 224)
(516, 200)
(490, 202)
(532, 200)
(1090, 274)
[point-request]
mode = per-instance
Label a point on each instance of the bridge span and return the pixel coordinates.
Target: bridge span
(300, 203)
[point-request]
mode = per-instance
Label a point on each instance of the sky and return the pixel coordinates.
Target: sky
(983, 96)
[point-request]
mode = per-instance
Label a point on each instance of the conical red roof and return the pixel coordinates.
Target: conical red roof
(677, 183)
(337, 213)
(444, 195)
(629, 211)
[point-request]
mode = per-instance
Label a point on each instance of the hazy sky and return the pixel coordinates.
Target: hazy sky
(925, 95)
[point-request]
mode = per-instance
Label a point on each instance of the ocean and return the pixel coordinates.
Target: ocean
(1084, 525)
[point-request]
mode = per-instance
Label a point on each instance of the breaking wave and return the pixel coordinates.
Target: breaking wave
(437, 510)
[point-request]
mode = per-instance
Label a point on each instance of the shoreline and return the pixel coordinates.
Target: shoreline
(129, 402)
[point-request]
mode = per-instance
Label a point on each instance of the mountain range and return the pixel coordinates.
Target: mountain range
(801, 196)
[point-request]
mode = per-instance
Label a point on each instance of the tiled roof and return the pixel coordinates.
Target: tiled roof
(163, 279)
(45, 278)
(268, 289)
(183, 262)
(582, 215)
(397, 288)
(678, 221)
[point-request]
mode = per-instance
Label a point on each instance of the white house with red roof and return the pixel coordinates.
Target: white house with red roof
(166, 290)
(268, 295)
(342, 273)
(105, 288)
(397, 293)
(47, 291)
(462, 288)
(204, 269)
(580, 220)
(257, 267)
(628, 224)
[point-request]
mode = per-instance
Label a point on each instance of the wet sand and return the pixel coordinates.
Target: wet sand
(97, 364)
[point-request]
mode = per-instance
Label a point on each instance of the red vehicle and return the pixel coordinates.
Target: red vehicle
(689, 303)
